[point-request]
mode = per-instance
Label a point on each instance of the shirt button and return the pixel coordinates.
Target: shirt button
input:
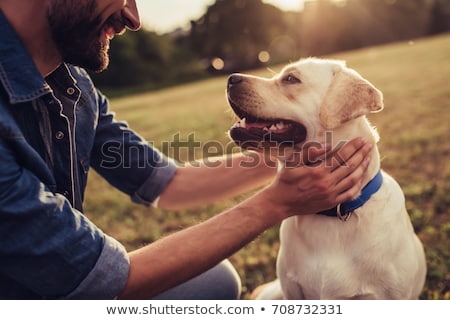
(70, 91)
(59, 135)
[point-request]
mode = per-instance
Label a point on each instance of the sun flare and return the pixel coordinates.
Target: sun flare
(295, 5)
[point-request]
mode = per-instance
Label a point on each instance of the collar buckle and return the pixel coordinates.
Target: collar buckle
(342, 215)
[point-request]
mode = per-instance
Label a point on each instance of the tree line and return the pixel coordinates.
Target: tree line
(237, 35)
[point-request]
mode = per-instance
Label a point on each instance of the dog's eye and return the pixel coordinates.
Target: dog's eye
(291, 79)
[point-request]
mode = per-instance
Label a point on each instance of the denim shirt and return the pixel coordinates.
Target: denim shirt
(52, 131)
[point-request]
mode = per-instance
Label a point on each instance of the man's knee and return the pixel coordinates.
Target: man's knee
(219, 283)
(230, 285)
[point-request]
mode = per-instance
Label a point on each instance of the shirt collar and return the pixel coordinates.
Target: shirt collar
(18, 73)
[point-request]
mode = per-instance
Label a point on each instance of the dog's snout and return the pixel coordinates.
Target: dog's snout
(235, 79)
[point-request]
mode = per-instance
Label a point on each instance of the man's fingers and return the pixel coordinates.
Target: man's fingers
(342, 157)
(348, 160)
(349, 169)
(348, 188)
(307, 156)
(315, 153)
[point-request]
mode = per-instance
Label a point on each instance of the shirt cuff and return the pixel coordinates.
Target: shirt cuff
(108, 277)
(162, 174)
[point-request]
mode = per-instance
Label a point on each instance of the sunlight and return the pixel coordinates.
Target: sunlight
(295, 5)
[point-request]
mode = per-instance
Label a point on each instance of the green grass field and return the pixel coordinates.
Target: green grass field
(415, 148)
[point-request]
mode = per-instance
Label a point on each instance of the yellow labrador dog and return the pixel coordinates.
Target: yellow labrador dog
(363, 249)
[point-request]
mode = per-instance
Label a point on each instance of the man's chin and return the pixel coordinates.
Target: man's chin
(100, 66)
(95, 62)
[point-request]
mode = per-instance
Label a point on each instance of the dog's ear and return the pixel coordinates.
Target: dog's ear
(349, 96)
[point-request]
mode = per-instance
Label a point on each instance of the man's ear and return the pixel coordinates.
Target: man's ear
(349, 96)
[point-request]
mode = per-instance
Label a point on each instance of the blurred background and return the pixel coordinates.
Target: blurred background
(218, 37)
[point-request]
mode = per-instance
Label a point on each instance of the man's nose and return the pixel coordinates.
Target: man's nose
(130, 15)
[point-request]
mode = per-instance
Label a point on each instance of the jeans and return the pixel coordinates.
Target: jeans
(219, 283)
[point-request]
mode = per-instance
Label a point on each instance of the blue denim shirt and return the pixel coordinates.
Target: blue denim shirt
(51, 132)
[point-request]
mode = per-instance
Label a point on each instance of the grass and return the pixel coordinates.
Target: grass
(415, 147)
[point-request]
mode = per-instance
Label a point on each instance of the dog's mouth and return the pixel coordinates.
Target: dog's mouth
(252, 132)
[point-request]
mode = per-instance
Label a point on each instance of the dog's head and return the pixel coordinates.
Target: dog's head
(304, 100)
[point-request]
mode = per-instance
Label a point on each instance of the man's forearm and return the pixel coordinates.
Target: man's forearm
(185, 254)
(216, 179)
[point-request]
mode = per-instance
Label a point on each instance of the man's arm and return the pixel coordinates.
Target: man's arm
(216, 179)
(302, 190)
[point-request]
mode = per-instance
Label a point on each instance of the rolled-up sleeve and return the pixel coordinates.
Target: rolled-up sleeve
(108, 277)
(127, 161)
(160, 177)
(47, 248)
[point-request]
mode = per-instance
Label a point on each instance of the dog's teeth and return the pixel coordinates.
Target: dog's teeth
(273, 128)
(243, 123)
(265, 129)
(280, 125)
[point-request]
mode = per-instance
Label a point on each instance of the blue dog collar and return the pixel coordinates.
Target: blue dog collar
(344, 210)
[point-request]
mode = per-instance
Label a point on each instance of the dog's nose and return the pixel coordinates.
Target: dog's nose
(234, 79)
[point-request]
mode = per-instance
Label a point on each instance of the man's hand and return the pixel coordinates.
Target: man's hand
(308, 189)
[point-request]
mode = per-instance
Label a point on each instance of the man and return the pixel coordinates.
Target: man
(55, 125)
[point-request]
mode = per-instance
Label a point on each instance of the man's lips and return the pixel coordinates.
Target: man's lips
(114, 25)
(109, 33)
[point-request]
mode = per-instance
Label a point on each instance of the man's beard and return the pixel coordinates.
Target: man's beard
(77, 33)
